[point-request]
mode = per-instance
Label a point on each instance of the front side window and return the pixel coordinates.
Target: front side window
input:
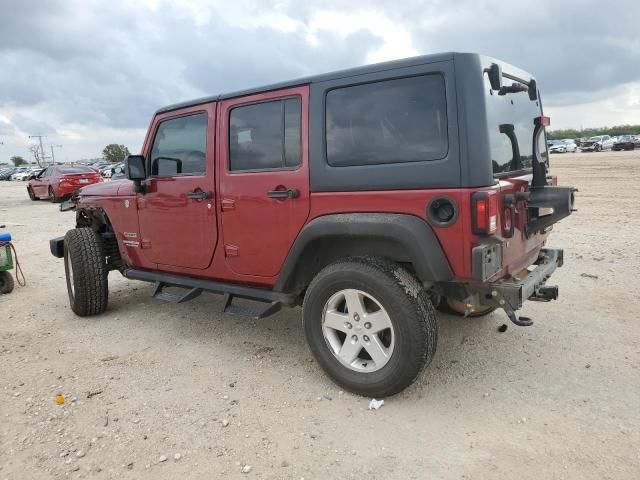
(265, 136)
(392, 121)
(180, 147)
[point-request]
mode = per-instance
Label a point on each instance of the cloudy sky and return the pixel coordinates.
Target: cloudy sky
(90, 72)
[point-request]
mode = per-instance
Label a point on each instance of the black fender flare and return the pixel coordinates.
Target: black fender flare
(402, 237)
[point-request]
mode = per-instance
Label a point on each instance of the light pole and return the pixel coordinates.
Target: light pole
(53, 158)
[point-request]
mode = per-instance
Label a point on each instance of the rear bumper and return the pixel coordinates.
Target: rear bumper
(513, 294)
(64, 190)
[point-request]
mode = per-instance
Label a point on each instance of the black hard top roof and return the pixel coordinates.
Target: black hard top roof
(377, 67)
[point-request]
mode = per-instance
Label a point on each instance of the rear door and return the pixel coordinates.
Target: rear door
(264, 178)
(176, 213)
(510, 118)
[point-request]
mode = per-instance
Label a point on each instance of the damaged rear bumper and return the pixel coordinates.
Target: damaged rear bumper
(513, 293)
(510, 294)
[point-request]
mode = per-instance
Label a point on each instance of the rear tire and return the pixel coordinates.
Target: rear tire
(32, 195)
(86, 272)
(52, 195)
(6, 283)
(393, 315)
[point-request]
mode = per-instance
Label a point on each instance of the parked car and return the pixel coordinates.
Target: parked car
(26, 174)
(597, 144)
(117, 172)
(17, 174)
(562, 146)
(57, 182)
(570, 145)
(5, 173)
(108, 170)
(625, 142)
(636, 141)
(346, 193)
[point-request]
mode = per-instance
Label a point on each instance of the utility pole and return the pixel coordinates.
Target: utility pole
(41, 147)
(53, 158)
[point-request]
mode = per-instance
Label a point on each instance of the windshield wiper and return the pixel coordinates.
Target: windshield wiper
(513, 88)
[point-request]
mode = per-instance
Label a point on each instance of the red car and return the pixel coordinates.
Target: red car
(59, 181)
(368, 197)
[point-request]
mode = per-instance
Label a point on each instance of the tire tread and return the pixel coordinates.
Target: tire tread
(89, 272)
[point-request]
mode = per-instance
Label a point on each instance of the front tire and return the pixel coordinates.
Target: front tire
(6, 282)
(86, 272)
(32, 195)
(370, 325)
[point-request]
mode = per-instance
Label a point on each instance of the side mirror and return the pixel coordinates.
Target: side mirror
(495, 76)
(134, 170)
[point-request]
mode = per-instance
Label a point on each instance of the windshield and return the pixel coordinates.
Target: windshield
(517, 110)
(595, 139)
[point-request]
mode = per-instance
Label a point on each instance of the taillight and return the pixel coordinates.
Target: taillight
(484, 213)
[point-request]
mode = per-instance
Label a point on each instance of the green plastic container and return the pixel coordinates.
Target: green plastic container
(6, 258)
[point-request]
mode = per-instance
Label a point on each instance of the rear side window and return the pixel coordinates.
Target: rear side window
(180, 147)
(265, 136)
(393, 121)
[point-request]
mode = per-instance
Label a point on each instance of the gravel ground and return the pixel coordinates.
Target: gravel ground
(162, 391)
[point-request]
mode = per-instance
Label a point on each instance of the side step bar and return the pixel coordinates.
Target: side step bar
(195, 286)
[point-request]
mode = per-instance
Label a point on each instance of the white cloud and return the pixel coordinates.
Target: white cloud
(618, 106)
(95, 71)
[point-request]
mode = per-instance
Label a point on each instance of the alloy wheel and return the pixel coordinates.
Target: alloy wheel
(358, 330)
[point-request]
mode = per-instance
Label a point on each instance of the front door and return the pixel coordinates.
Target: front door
(40, 184)
(264, 178)
(177, 210)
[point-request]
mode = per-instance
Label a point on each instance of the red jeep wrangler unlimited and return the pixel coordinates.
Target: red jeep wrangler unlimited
(368, 196)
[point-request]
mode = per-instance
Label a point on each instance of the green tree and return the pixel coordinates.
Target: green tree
(18, 160)
(115, 153)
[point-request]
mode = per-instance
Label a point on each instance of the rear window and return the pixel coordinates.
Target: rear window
(65, 170)
(518, 110)
(392, 121)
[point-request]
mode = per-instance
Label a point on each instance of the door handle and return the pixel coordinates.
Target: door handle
(291, 193)
(198, 195)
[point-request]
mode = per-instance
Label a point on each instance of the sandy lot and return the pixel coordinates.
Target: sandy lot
(149, 381)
